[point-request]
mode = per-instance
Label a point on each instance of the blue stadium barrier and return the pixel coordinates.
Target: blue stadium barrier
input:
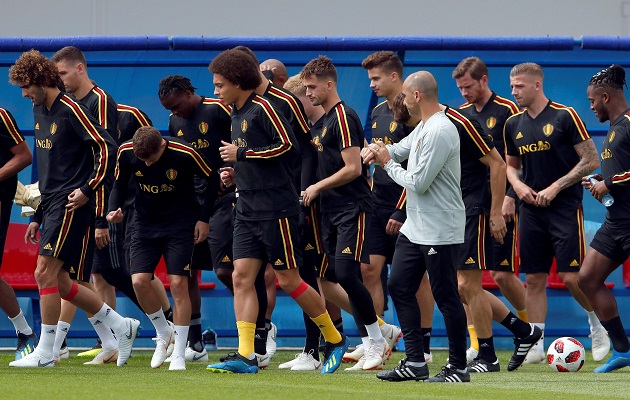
(131, 67)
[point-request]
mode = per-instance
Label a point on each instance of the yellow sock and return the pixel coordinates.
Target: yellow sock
(245, 337)
(474, 342)
(325, 324)
(522, 314)
(380, 321)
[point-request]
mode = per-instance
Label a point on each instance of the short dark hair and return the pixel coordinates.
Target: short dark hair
(249, 52)
(32, 68)
(69, 53)
(613, 77)
(237, 67)
(146, 142)
(388, 61)
(174, 84)
(472, 65)
(321, 67)
(399, 109)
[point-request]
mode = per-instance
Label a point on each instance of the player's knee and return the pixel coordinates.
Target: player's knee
(224, 275)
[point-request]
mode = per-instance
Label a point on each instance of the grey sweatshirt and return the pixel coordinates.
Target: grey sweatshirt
(435, 209)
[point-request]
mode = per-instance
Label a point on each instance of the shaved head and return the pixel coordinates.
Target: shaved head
(424, 82)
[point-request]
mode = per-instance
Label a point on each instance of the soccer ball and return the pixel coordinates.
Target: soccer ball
(566, 355)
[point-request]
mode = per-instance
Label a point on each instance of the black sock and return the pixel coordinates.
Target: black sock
(312, 337)
(168, 314)
(517, 326)
(260, 341)
(426, 339)
(338, 324)
(267, 324)
(486, 349)
(617, 334)
(194, 332)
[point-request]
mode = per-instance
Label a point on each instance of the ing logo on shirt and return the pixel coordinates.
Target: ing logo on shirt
(318, 143)
(244, 126)
(43, 143)
(53, 128)
(534, 147)
(200, 144)
(491, 122)
(392, 126)
(606, 154)
(171, 174)
(548, 129)
(240, 142)
(203, 127)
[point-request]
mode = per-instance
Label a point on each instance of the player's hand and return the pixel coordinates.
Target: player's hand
(393, 227)
(310, 194)
(367, 156)
(227, 176)
(598, 190)
(381, 155)
(497, 227)
(31, 233)
(545, 196)
(76, 199)
(508, 209)
(101, 237)
(115, 216)
(525, 193)
(586, 182)
(201, 231)
(228, 151)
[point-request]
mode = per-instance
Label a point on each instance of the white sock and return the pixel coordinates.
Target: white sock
(181, 337)
(366, 342)
(593, 321)
(47, 340)
(108, 341)
(540, 344)
(161, 324)
(60, 336)
(20, 324)
(374, 332)
(112, 319)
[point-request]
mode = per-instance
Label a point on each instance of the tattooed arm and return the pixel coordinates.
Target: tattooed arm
(588, 163)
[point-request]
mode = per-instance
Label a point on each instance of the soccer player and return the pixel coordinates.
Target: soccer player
(168, 221)
(14, 157)
(491, 111)
(346, 202)
(549, 142)
(74, 155)
(275, 71)
(72, 67)
(266, 222)
(204, 123)
(610, 246)
(434, 228)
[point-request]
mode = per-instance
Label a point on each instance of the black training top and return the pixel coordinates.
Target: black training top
(129, 120)
(10, 136)
(616, 169)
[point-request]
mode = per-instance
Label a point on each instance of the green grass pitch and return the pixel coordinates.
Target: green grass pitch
(72, 380)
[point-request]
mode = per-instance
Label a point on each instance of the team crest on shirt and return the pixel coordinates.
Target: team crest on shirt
(612, 136)
(317, 142)
(244, 126)
(548, 129)
(374, 125)
(491, 122)
(171, 174)
(324, 131)
(53, 128)
(392, 126)
(203, 127)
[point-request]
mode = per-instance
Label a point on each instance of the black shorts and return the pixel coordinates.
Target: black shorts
(326, 270)
(381, 243)
(504, 257)
(473, 253)
(68, 236)
(176, 245)
(312, 247)
(129, 225)
(546, 232)
(612, 242)
(343, 234)
(6, 203)
(111, 256)
(272, 241)
(221, 233)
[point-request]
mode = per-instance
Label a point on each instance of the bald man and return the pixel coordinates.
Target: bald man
(275, 71)
(429, 238)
